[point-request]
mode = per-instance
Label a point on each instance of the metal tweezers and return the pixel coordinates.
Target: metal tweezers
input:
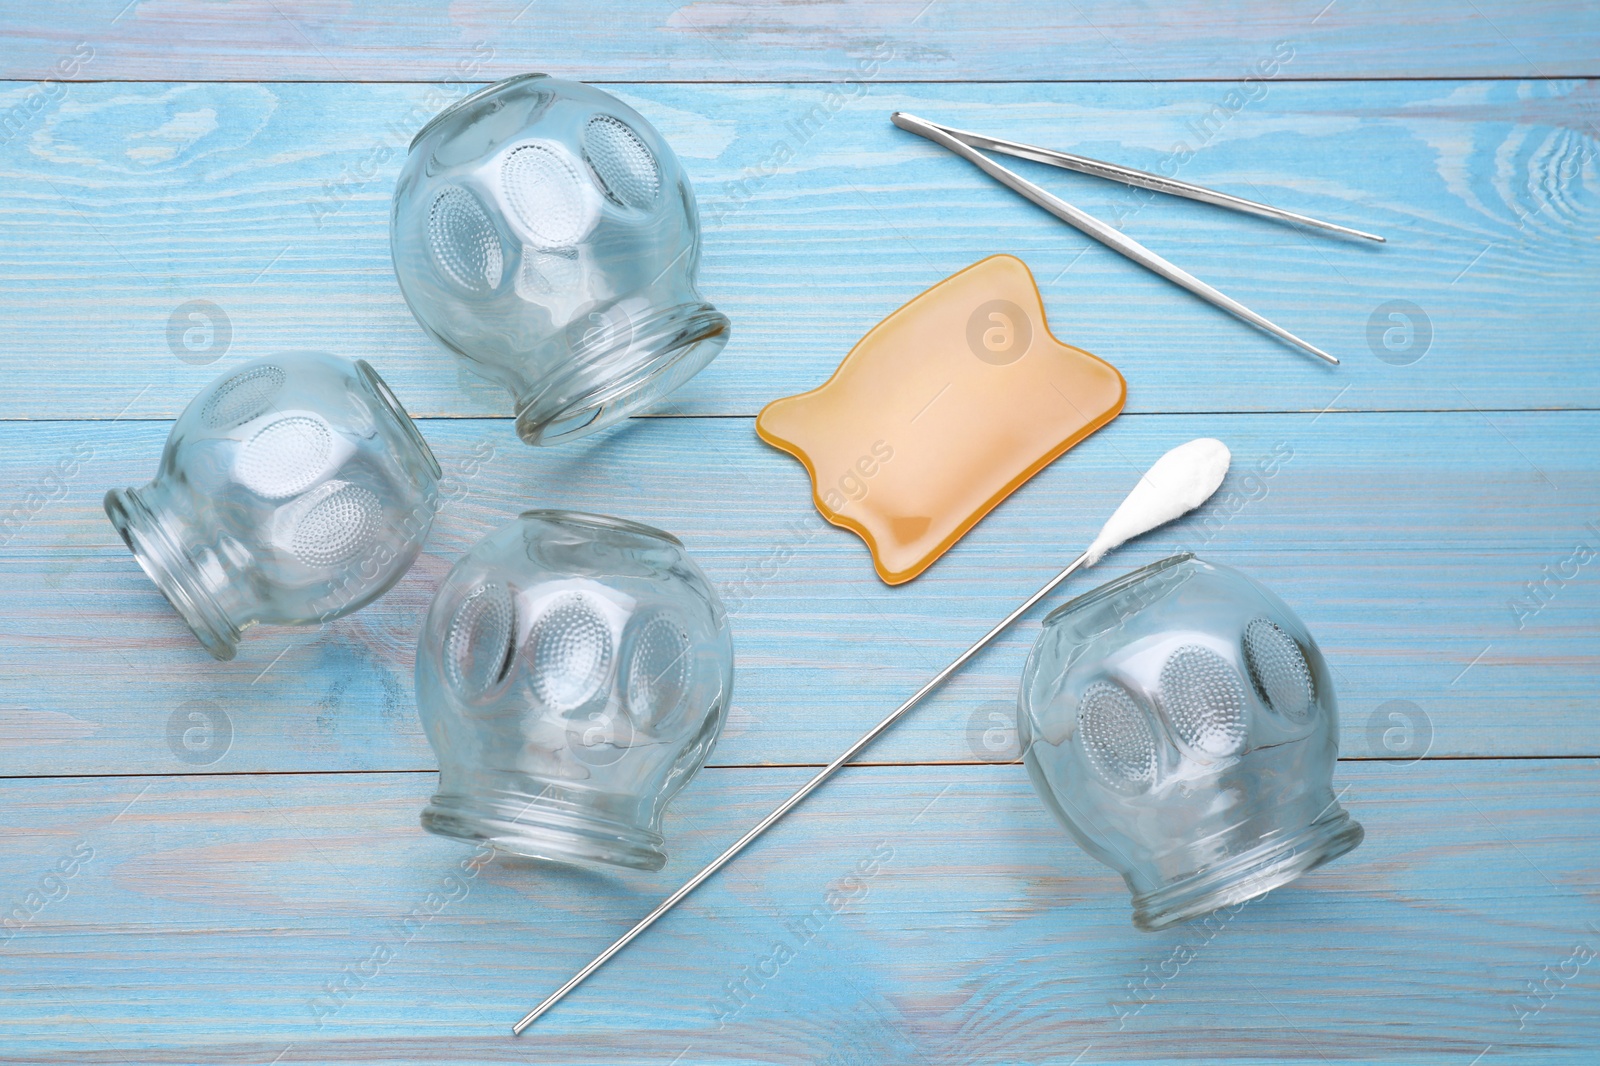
(965, 145)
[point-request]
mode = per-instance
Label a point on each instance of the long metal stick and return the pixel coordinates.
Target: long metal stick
(789, 804)
(1106, 235)
(1143, 179)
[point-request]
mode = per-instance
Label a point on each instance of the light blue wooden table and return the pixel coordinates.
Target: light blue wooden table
(221, 896)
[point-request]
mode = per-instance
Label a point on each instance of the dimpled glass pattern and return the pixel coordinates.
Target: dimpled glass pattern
(1204, 701)
(627, 171)
(241, 397)
(292, 490)
(285, 457)
(1278, 670)
(478, 643)
(1117, 738)
(545, 233)
(573, 674)
(569, 652)
(1180, 722)
(335, 523)
(658, 677)
(463, 241)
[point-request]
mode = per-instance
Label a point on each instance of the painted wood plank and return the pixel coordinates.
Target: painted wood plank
(213, 915)
(124, 204)
(1405, 541)
(747, 40)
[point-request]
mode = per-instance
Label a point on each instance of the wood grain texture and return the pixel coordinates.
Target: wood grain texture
(750, 40)
(214, 913)
(125, 203)
(233, 889)
(1403, 559)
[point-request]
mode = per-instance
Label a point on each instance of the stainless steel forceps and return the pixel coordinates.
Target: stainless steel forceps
(966, 145)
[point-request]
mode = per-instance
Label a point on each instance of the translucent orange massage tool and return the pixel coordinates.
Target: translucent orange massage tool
(940, 412)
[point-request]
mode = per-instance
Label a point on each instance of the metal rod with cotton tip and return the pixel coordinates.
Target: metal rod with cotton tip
(1180, 481)
(1107, 235)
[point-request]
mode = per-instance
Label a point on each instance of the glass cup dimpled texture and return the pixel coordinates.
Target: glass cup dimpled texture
(1181, 723)
(543, 231)
(573, 674)
(292, 490)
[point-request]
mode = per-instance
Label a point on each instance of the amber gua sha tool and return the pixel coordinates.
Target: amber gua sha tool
(940, 412)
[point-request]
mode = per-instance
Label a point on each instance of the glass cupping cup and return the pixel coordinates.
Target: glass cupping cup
(573, 674)
(293, 490)
(544, 232)
(1181, 723)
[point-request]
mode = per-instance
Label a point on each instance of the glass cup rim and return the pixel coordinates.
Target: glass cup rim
(401, 416)
(469, 100)
(1116, 585)
(601, 521)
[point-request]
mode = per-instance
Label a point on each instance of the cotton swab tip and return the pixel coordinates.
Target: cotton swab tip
(1180, 481)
